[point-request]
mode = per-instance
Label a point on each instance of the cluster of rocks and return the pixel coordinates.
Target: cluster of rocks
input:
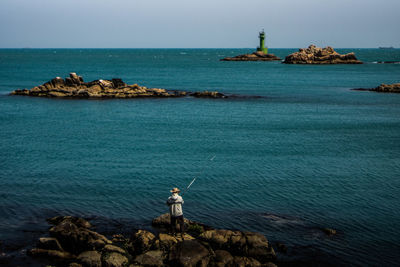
(383, 88)
(318, 55)
(73, 243)
(74, 87)
(256, 56)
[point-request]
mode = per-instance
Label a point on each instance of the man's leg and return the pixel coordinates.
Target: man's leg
(182, 225)
(173, 224)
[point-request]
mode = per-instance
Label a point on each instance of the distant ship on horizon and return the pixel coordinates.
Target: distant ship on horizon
(386, 47)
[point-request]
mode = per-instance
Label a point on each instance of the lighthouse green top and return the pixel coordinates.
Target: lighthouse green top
(262, 43)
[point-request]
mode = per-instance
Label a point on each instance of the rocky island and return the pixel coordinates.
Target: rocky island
(256, 56)
(260, 55)
(73, 242)
(74, 87)
(383, 88)
(318, 55)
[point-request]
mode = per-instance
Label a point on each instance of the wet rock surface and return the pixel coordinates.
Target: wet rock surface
(74, 87)
(383, 88)
(256, 56)
(73, 242)
(318, 55)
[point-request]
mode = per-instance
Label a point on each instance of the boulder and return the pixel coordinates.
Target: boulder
(75, 78)
(150, 258)
(166, 241)
(58, 82)
(258, 248)
(317, 55)
(222, 258)
(76, 239)
(114, 259)
(118, 238)
(90, 258)
(240, 243)
(189, 253)
(112, 248)
(219, 239)
(142, 241)
(245, 262)
(118, 83)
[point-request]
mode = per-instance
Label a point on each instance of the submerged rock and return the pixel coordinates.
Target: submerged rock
(281, 247)
(256, 56)
(208, 94)
(50, 254)
(329, 231)
(49, 243)
(383, 88)
(388, 62)
(318, 55)
(74, 87)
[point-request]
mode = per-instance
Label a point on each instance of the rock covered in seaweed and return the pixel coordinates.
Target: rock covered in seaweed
(318, 55)
(256, 56)
(74, 87)
(383, 88)
(72, 247)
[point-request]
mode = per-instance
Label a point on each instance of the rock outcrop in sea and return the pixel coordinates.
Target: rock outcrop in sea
(318, 55)
(256, 56)
(74, 87)
(73, 242)
(383, 88)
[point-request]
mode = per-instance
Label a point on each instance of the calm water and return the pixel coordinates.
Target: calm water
(311, 153)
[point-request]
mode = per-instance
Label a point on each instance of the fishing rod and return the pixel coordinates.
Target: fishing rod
(187, 188)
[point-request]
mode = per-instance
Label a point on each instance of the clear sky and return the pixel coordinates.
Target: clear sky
(198, 24)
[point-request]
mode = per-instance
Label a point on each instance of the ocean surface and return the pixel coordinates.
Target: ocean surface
(308, 153)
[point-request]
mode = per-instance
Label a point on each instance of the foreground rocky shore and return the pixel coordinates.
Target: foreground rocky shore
(383, 88)
(256, 56)
(74, 87)
(318, 55)
(73, 242)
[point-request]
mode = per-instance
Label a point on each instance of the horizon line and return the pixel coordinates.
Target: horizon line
(379, 47)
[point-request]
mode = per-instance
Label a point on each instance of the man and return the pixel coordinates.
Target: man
(175, 202)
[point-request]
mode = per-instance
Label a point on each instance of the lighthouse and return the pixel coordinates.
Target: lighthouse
(262, 47)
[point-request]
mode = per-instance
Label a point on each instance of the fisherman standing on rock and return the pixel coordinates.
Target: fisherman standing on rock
(175, 202)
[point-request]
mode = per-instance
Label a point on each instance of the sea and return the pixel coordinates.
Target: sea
(293, 151)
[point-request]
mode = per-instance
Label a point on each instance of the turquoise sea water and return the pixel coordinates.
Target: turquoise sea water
(311, 153)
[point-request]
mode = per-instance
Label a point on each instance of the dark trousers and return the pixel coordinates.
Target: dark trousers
(178, 219)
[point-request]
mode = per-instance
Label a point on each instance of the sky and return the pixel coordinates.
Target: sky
(198, 24)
